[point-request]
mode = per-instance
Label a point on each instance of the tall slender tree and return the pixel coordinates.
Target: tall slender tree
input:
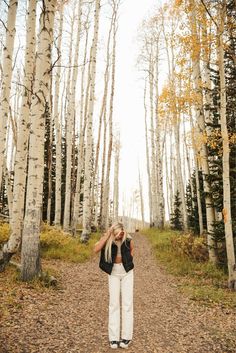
(6, 79)
(88, 153)
(30, 257)
(20, 169)
(225, 138)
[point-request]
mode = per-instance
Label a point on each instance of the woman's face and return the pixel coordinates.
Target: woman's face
(119, 234)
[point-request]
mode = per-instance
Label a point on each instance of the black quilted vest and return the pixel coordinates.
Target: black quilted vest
(127, 258)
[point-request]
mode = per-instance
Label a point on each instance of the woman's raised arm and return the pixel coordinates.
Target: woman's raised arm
(100, 244)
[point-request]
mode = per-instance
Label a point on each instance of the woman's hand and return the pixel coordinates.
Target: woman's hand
(100, 244)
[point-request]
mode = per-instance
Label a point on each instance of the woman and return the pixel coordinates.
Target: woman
(116, 260)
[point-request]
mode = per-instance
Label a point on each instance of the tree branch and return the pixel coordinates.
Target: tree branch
(203, 3)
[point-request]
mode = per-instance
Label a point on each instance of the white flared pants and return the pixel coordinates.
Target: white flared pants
(120, 283)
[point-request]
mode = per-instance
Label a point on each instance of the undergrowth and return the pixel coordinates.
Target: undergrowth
(197, 277)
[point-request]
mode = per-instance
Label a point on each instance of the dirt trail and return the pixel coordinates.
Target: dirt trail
(75, 318)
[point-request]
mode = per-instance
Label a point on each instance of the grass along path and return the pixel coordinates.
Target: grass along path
(74, 317)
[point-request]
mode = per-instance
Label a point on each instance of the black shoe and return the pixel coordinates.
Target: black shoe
(125, 343)
(114, 344)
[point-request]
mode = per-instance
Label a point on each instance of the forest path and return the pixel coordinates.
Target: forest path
(75, 318)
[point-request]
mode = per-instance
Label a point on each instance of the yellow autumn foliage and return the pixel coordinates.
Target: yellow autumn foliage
(4, 232)
(56, 244)
(194, 247)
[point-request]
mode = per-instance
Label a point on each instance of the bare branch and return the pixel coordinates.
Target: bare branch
(203, 3)
(4, 25)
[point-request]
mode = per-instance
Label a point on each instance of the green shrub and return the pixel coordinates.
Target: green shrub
(184, 256)
(194, 247)
(57, 244)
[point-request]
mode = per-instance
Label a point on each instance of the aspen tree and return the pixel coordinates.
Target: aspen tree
(89, 129)
(201, 131)
(57, 122)
(103, 166)
(30, 257)
(172, 178)
(16, 221)
(176, 126)
(83, 102)
(173, 106)
(161, 162)
(7, 177)
(153, 149)
(116, 181)
(159, 168)
(70, 123)
(148, 160)
(170, 184)
(49, 154)
(102, 117)
(168, 200)
(96, 205)
(115, 5)
(206, 58)
(196, 164)
(225, 139)
(68, 120)
(68, 128)
(141, 200)
(6, 79)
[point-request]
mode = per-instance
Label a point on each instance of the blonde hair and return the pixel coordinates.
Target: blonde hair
(114, 230)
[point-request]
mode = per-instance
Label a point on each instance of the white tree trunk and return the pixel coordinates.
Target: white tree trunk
(148, 162)
(106, 197)
(226, 149)
(159, 167)
(16, 221)
(56, 114)
(199, 204)
(165, 154)
(180, 181)
(49, 156)
(103, 106)
(70, 124)
(116, 182)
(210, 212)
(153, 149)
(30, 258)
(172, 177)
(7, 175)
(88, 153)
(6, 79)
(78, 191)
(103, 166)
(141, 200)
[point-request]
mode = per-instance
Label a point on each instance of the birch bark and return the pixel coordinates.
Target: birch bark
(30, 258)
(153, 149)
(16, 221)
(6, 79)
(199, 204)
(116, 182)
(102, 118)
(70, 124)
(105, 213)
(88, 153)
(83, 103)
(141, 200)
(148, 161)
(57, 219)
(226, 148)
(201, 132)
